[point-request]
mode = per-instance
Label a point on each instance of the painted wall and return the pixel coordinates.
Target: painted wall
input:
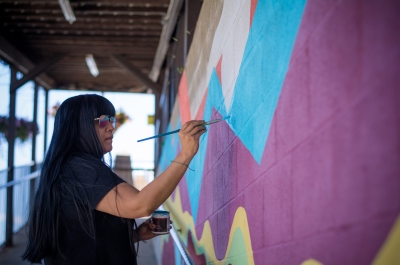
(307, 168)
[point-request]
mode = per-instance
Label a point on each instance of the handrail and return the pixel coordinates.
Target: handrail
(15, 207)
(182, 249)
(14, 182)
(184, 252)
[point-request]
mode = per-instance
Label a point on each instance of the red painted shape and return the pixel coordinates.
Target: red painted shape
(200, 112)
(168, 255)
(218, 69)
(197, 259)
(252, 10)
(183, 97)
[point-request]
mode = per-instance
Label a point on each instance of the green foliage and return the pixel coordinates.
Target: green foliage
(23, 128)
(121, 117)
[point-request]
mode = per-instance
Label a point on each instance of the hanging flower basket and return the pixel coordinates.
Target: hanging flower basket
(120, 118)
(23, 129)
(53, 110)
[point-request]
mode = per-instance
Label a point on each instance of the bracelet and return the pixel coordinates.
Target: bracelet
(182, 164)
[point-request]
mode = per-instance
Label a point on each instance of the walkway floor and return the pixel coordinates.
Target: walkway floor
(12, 255)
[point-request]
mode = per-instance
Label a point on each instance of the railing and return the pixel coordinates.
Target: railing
(22, 190)
(181, 247)
(21, 200)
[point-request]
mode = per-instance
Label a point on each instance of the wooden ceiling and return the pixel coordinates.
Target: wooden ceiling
(122, 35)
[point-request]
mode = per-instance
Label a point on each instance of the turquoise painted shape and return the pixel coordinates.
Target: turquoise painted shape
(263, 70)
(264, 66)
(194, 178)
(258, 86)
(237, 253)
(177, 254)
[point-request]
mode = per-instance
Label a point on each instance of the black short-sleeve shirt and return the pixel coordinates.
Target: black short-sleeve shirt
(107, 240)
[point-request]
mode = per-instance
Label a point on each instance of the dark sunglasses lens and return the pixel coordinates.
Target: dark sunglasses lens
(113, 120)
(103, 121)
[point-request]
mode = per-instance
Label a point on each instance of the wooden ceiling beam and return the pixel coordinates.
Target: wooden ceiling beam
(83, 25)
(38, 70)
(68, 39)
(127, 27)
(84, 14)
(87, 32)
(102, 19)
(81, 14)
(165, 38)
(80, 9)
(115, 87)
(104, 2)
(163, 3)
(137, 73)
(8, 21)
(10, 54)
(95, 49)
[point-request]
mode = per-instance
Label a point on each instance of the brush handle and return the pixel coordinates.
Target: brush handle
(163, 134)
(158, 135)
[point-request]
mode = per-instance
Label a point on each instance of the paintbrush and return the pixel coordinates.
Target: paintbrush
(167, 133)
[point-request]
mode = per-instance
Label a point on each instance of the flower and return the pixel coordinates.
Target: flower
(53, 110)
(23, 128)
(120, 118)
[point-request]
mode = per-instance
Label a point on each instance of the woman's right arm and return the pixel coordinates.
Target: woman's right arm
(126, 201)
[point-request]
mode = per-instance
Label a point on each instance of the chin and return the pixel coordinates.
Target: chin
(107, 150)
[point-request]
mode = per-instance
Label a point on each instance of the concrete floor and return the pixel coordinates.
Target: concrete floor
(12, 255)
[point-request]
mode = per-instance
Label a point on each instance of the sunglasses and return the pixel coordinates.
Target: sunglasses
(104, 119)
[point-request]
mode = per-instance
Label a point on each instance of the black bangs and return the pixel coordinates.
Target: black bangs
(74, 129)
(104, 107)
(93, 106)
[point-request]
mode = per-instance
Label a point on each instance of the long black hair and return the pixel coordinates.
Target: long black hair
(74, 132)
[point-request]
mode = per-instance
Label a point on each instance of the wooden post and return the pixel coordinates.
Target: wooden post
(11, 145)
(32, 183)
(46, 106)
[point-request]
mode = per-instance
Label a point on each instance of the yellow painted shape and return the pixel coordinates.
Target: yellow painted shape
(311, 262)
(390, 252)
(205, 244)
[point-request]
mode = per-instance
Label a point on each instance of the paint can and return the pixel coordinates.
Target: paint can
(161, 219)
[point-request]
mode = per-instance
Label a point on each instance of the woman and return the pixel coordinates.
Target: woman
(83, 213)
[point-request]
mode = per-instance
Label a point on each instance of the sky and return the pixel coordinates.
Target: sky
(137, 106)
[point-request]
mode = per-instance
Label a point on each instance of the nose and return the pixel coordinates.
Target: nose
(110, 126)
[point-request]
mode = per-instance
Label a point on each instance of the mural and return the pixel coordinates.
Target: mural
(306, 169)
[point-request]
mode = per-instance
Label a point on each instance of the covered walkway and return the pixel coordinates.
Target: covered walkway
(135, 46)
(12, 255)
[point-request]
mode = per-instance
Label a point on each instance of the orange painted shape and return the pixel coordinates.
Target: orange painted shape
(218, 69)
(183, 97)
(252, 10)
(200, 112)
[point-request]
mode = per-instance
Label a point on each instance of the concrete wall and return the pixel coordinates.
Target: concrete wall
(307, 168)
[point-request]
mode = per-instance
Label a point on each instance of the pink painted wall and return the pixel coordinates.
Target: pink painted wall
(327, 186)
(332, 190)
